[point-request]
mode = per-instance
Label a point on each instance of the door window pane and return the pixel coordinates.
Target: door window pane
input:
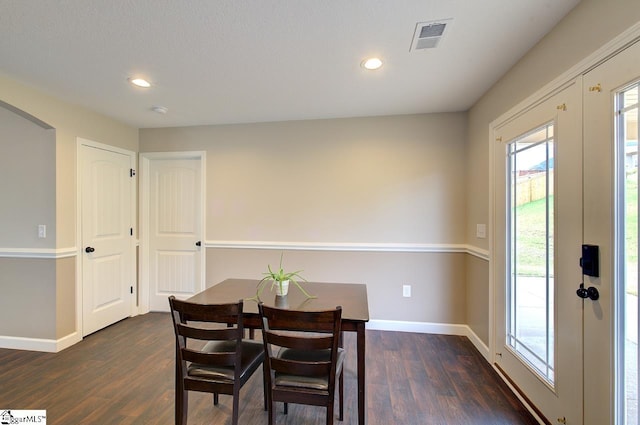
(530, 321)
(627, 264)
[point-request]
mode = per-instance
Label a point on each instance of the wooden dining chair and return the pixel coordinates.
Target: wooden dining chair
(303, 358)
(212, 358)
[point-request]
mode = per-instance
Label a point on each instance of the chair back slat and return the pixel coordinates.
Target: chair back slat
(207, 334)
(301, 368)
(209, 359)
(293, 320)
(298, 341)
(222, 313)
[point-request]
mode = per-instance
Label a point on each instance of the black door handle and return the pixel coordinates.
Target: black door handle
(198, 243)
(590, 292)
(89, 249)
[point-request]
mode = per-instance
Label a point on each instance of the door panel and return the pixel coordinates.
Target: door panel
(175, 228)
(107, 250)
(550, 377)
(600, 201)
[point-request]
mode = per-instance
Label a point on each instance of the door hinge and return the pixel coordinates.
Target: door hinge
(131, 289)
(132, 172)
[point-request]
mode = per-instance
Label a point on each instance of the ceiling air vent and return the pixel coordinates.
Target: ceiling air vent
(429, 34)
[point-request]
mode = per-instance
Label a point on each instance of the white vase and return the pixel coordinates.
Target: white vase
(282, 288)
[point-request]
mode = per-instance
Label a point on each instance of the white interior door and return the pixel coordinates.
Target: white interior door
(174, 192)
(536, 248)
(609, 142)
(107, 247)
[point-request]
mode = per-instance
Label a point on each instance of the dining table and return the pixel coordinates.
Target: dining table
(352, 297)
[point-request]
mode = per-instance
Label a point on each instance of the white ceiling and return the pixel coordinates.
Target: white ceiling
(235, 61)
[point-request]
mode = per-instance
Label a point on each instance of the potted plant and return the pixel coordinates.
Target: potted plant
(280, 280)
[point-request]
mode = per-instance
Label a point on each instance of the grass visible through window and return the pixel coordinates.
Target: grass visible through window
(531, 246)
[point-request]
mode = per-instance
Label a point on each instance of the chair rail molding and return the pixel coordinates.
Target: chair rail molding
(351, 247)
(51, 253)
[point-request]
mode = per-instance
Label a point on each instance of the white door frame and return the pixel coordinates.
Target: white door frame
(134, 213)
(145, 164)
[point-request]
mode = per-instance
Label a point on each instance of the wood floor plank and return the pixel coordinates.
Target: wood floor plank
(124, 374)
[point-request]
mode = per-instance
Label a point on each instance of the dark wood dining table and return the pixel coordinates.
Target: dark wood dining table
(351, 297)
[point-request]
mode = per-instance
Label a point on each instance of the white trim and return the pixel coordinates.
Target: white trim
(518, 395)
(39, 344)
(478, 252)
(352, 247)
(431, 328)
(623, 40)
(53, 253)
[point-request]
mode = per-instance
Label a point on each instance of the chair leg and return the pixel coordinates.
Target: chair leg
(330, 413)
(234, 413)
(182, 405)
(341, 395)
(265, 384)
(272, 411)
(286, 408)
(215, 399)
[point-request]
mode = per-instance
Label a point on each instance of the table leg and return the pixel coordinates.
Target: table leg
(362, 399)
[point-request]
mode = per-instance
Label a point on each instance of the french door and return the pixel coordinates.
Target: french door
(537, 239)
(567, 176)
(610, 222)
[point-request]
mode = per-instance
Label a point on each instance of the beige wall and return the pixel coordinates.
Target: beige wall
(45, 288)
(477, 296)
(438, 294)
(70, 122)
(385, 179)
(585, 29)
(27, 182)
(379, 180)
(27, 304)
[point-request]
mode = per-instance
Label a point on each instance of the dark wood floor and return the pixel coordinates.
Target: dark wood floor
(124, 375)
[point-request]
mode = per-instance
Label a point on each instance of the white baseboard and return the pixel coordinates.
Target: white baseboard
(39, 344)
(431, 328)
(524, 401)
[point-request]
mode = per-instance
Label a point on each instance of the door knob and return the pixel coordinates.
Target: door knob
(198, 243)
(590, 292)
(89, 249)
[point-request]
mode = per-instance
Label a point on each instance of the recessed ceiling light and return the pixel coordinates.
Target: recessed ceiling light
(160, 109)
(372, 63)
(140, 82)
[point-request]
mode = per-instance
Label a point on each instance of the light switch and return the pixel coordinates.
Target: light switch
(42, 231)
(406, 291)
(481, 231)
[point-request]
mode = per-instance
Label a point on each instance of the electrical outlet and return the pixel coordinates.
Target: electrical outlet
(406, 291)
